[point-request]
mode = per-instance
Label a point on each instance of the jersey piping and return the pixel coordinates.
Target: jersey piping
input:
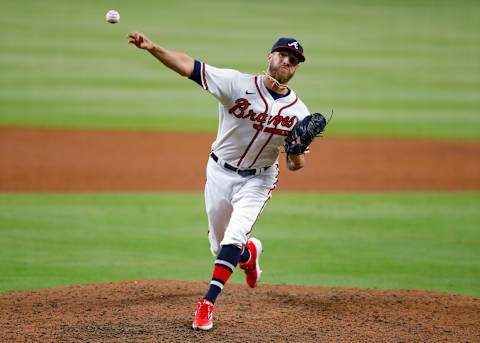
(266, 129)
(258, 131)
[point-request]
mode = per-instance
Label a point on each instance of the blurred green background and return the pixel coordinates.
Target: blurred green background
(387, 68)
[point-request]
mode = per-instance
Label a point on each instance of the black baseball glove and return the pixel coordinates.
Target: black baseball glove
(304, 132)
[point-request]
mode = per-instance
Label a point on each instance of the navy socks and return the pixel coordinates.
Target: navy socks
(245, 256)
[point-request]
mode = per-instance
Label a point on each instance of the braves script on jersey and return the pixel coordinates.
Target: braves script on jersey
(252, 124)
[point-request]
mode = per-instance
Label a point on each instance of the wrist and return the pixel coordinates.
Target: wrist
(151, 48)
(295, 161)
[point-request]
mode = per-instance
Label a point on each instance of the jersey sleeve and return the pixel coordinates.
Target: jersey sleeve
(303, 111)
(217, 81)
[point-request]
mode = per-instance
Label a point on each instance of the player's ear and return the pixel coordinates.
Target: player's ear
(269, 59)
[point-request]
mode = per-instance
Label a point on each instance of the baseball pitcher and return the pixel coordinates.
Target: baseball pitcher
(258, 114)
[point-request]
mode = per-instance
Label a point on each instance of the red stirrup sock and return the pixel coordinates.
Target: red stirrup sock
(225, 264)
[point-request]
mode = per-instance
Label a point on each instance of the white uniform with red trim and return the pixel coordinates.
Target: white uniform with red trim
(252, 128)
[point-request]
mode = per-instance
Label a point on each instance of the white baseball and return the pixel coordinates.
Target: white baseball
(112, 17)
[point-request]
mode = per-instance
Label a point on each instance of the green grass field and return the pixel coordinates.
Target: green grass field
(421, 241)
(386, 68)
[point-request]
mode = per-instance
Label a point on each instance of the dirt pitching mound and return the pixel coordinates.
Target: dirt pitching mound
(162, 311)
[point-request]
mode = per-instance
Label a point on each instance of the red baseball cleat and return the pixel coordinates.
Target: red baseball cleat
(252, 266)
(203, 316)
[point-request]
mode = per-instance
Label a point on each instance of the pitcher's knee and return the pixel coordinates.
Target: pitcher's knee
(238, 239)
(215, 250)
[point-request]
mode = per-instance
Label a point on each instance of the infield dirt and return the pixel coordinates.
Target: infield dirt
(57, 160)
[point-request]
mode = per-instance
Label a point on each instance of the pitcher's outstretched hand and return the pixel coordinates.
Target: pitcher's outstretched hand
(140, 40)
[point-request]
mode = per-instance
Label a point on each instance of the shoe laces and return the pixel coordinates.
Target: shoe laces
(204, 310)
(250, 267)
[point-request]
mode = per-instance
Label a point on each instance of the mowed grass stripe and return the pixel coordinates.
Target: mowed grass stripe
(385, 68)
(419, 241)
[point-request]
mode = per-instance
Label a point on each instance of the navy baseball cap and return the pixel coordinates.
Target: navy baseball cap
(289, 44)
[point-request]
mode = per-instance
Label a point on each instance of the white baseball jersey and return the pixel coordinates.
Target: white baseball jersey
(252, 124)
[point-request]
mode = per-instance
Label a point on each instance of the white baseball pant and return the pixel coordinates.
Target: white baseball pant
(234, 203)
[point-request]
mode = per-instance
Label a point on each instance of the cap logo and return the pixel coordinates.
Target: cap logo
(294, 44)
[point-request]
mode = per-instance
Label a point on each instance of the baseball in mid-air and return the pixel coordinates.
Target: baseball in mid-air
(112, 17)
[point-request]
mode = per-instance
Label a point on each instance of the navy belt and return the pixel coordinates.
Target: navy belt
(241, 172)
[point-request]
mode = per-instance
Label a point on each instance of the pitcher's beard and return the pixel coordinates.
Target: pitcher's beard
(281, 78)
